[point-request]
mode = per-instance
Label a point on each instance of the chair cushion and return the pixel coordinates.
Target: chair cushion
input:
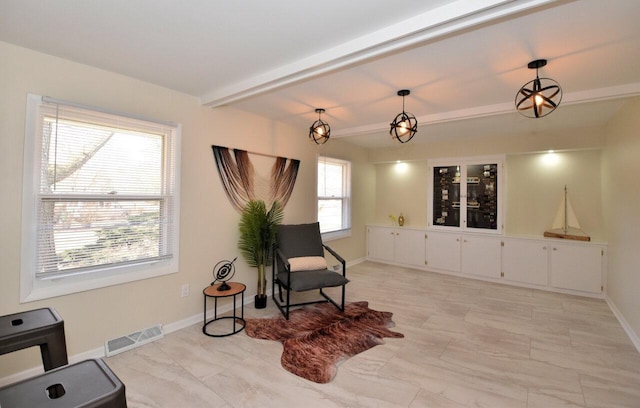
(307, 263)
(308, 280)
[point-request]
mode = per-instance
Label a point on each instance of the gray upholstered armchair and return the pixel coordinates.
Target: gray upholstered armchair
(299, 265)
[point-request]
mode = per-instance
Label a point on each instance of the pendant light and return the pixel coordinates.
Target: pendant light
(405, 125)
(539, 97)
(320, 131)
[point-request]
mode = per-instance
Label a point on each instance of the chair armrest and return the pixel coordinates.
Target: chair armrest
(285, 261)
(334, 253)
(282, 257)
(338, 257)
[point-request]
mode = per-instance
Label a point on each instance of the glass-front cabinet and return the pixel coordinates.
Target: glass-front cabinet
(465, 194)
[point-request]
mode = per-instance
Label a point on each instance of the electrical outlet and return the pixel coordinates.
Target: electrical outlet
(185, 290)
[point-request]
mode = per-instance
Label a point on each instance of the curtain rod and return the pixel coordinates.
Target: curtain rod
(49, 99)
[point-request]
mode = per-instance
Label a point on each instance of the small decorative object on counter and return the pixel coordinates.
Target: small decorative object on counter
(393, 219)
(222, 272)
(401, 220)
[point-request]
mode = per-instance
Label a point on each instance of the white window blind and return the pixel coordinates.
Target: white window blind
(106, 193)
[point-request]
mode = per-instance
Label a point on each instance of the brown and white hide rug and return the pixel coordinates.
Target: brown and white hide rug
(317, 338)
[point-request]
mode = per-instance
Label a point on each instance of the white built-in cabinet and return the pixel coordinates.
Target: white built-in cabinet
(469, 254)
(525, 260)
(559, 264)
(543, 263)
(575, 266)
(396, 244)
(443, 251)
(480, 255)
(381, 244)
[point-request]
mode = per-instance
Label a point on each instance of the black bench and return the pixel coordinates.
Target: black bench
(40, 327)
(88, 384)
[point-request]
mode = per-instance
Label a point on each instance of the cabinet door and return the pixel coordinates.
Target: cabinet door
(577, 267)
(481, 256)
(380, 243)
(465, 195)
(409, 246)
(525, 261)
(446, 196)
(443, 251)
(482, 196)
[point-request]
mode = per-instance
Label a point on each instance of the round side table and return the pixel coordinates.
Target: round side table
(213, 292)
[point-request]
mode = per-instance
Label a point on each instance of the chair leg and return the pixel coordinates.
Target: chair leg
(280, 292)
(333, 302)
(288, 306)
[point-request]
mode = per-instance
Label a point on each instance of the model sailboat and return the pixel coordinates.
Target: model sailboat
(566, 223)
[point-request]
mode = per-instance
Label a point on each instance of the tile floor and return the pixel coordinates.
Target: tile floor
(467, 343)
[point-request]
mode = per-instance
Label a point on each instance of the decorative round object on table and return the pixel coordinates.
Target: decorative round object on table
(222, 272)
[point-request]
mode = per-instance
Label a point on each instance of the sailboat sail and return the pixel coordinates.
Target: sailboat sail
(566, 224)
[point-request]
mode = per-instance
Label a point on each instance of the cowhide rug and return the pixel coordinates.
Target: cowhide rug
(317, 338)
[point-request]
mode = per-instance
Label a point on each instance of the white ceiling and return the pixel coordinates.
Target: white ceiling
(462, 60)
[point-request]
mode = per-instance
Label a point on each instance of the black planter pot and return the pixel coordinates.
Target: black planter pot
(260, 301)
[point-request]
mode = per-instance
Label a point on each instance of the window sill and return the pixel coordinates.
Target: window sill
(334, 235)
(35, 289)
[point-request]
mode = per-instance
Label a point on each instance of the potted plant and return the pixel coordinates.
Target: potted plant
(257, 236)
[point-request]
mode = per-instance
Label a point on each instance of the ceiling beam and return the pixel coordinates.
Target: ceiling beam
(453, 17)
(592, 95)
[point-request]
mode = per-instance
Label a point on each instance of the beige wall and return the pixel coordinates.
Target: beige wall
(621, 193)
(533, 191)
(598, 165)
(208, 224)
(208, 229)
(474, 145)
(362, 190)
(401, 188)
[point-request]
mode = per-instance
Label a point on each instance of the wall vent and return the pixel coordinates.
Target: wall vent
(133, 340)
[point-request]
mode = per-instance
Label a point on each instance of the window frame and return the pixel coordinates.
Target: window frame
(36, 288)
(345, 230)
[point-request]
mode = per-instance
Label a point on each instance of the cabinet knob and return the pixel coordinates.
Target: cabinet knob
(457, 239)
(465, 240)
(555, 249)
(544, 248)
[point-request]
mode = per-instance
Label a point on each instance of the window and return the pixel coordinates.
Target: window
(334, 197)
(100, 201)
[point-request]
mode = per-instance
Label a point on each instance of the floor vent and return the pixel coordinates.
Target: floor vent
(133, 340)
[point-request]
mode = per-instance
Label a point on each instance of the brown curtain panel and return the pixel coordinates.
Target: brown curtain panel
(238, 177)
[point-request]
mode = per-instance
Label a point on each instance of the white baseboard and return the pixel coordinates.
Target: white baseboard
(168, 328)
(32, 372)
(625, 325)
(100, 352)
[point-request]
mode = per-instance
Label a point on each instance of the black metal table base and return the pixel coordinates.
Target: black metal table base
(238, 322)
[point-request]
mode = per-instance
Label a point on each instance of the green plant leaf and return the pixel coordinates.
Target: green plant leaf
(257, 235)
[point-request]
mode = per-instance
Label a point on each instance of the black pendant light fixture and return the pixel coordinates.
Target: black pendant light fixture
(539, 97)
(320, 131)
(405, 125)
